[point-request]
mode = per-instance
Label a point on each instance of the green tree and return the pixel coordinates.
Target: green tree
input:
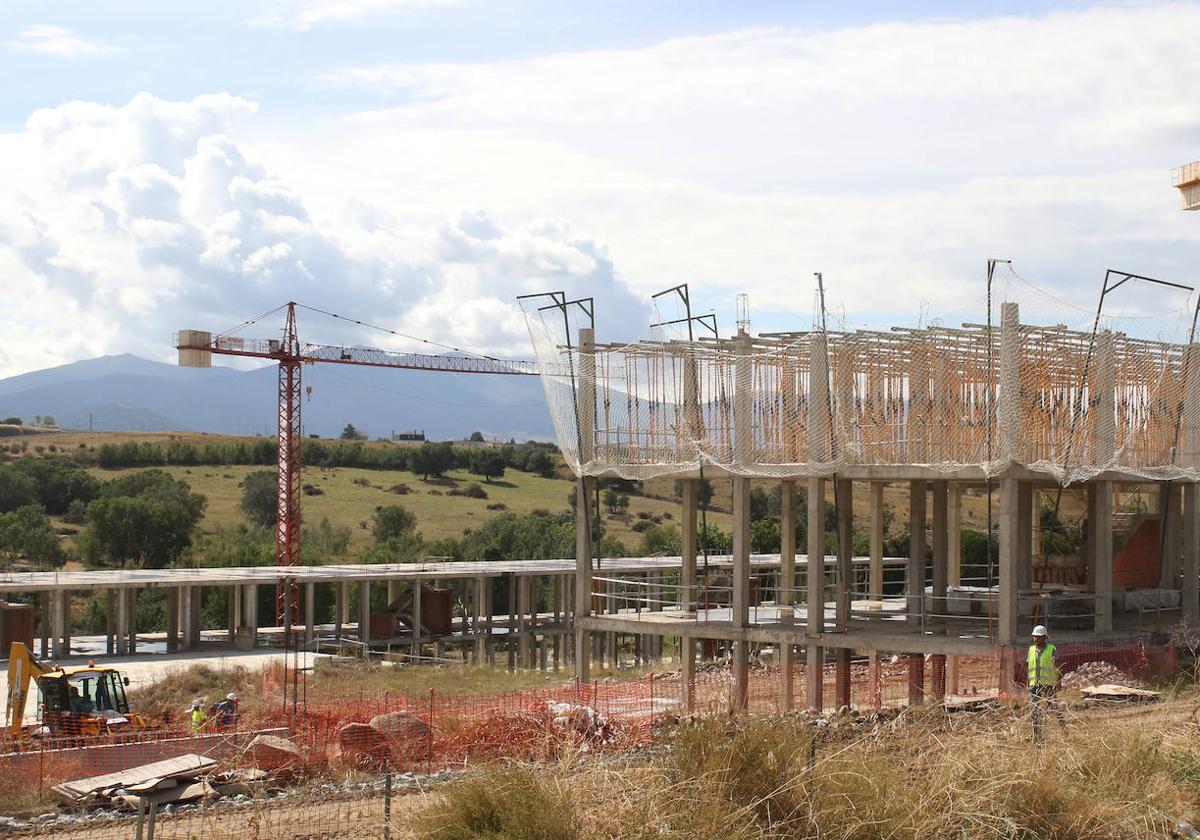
(392, 521)
(612, 500)
(661, 540)
(26, 533)
(17, 490)
(12, 421)
(431, 459)
(59, 483)
(476, 437)
(488, 463)
(541, 463)
(145, 520)
(260, 498)
(351, 433)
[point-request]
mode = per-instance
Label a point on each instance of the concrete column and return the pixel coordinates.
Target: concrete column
(66, 622)
(937, 664)
(815, 568)
(250, 603)
(122, 622)
(236, 611)
(46, 607)
(916, 552)
(310, 613)
(58, 617)
(187, 609)
(787, 593)
(1025, 535)
(345, 603)
(110, 623)
(1168, 494)
(687, 572)
(1089, 540)
(845, 554)
(391, 592)
(1103, 531)
(1008, 408)
(364, 612)
(418, 626)
(916, 679)
(584, 502)
(173, 613)
(876, 569)
(481, 630)
(954, 534)
(941, 546)
(131, 594)
(514, 584)
(339, 612)
(741, 589)
(1191, 554)
(522, 611)
(1009, 559)
(842, 678)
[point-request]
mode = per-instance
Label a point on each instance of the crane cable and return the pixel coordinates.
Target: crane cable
(402, 335)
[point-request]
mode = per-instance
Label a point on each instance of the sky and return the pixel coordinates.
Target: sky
(417, 164)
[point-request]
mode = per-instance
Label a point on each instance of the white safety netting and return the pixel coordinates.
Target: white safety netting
(1038, 388)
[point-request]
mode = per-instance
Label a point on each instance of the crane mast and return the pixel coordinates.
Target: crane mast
(196, 348)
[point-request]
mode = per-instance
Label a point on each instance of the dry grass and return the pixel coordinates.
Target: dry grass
(515, 803)
(1114, 774)
(174, 691)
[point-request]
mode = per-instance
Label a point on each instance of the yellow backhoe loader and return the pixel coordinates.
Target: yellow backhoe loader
(84, 700)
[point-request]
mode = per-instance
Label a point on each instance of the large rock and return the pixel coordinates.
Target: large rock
(270, 752)
(363, 744)
(401, 726)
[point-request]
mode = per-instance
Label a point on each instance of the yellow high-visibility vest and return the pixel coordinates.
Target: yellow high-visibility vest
(1042, 670)
(198, 719)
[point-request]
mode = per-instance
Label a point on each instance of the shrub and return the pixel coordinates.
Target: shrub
(497, 506)
(642, 525)
(400, 489)
(515, 803)
(313, 490)
(474, 491)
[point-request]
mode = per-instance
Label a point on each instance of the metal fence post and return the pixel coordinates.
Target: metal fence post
(387, 806)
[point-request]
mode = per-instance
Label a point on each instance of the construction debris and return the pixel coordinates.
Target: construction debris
(1119, 694)
(143, 779)
(270, 752)
(1098, 673)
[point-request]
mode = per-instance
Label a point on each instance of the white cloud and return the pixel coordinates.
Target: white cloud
(122, 224)
(59, 41)
(894, 156)
(308, 14)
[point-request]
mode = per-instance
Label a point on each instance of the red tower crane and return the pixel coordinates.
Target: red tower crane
(196, 349)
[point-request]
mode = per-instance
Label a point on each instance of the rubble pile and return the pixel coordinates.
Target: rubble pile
(1091, 674)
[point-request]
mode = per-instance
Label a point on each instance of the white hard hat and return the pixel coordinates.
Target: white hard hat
(196, 704)
(231, 696)
(1040, 630)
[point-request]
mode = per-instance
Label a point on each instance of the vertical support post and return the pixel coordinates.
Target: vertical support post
(58, 614)
(845, 553)
(515, 639)
(815, 569)
(741, 589)
(122, 623)
(916, 552)
(287, 525)
(1168, 567)
(174, 608)
(787, 591)
(586, 418)
(954, 534)
(1009, 398)
(418, 623)
(876, 549)
(937, 664)
(364, 614)
(46, 607)
(310, 612)
(235, 610)
(187, 606)
(941, 546)
(842, 678)
(481, 632)
(110, 623)
(916, 679)
(1104, 555)
(1010, 559)
(131, 594)
(339, 613)
(1025, 535)
(524, 637)
(1191, 554)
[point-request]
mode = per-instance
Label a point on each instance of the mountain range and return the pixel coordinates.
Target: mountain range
(129, 393)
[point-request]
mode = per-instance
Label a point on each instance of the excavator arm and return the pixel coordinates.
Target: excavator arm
(23, 669)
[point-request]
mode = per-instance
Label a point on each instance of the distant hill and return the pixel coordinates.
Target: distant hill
(128, 393)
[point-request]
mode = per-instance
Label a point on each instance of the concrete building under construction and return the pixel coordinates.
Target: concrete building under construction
(1006, 411)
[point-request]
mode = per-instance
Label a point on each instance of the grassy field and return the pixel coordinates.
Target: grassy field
(349, 498)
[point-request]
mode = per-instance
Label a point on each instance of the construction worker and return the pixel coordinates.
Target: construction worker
(1043, 681)
(199, 719)
(227, 712)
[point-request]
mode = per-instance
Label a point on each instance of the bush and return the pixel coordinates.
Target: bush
(642, 525)
(392, 521)
(312, 490)
(400, 489)
(260, 498)
(514, 803)
(474, 491)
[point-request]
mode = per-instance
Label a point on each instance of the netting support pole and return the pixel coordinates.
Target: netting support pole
(876, 547)
(815, 614)
(1191, 554)
(1103, 531)
(915, 583)
(787, 591)
(688, 594)
(585, 422)
(1010, 554)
